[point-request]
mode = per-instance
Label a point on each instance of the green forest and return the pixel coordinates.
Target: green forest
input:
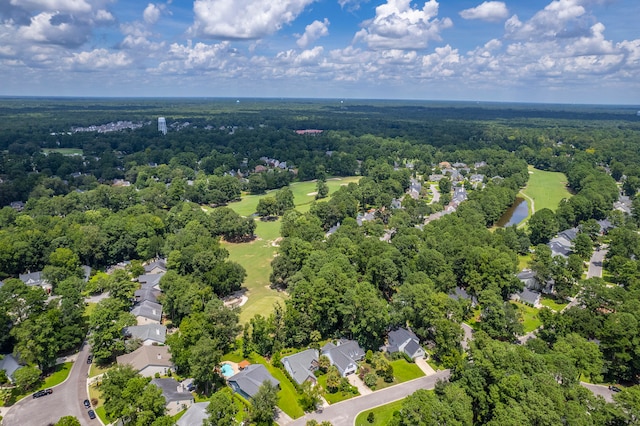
(397, 230)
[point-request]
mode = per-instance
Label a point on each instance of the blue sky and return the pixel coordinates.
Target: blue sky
(561, 51)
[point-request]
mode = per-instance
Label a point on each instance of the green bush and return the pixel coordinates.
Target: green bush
(370, 379)
(371, 417)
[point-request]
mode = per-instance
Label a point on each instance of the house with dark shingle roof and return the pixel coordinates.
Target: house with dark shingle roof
(9, 364)
(195, 415)
(148, 360)
(301, 366)
(344, 355)
(403, 340)
(176, 396)
(147, 312)
(529, 297)
(148, 333)
(147, 293)
(34, 279)
(156, 267)
(248, 381)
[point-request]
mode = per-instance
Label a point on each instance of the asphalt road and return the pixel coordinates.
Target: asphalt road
(599, 390)
(66, 400)
(345, 413)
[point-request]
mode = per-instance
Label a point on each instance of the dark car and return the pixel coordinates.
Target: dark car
(89, 359)
(39, 394)
(615, 389)
(92, 414)
(48, 391)
(87, 404)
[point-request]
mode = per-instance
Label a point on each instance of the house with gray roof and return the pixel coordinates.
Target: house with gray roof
(531, 282)
(34, 279)
(562, 244)
(150, 280)
(528, 297)
(148, 333)
(345, 355)
(156, 267)
(301, 366)
(9, 364)
(176, 396)
(147, 312)
(194, 415)
(403, 340)
(147, 293)
(148, 360)
(248, 381)
(460, 293)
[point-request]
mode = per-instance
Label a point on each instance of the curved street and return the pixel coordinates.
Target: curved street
(66, 400)
(344, 413)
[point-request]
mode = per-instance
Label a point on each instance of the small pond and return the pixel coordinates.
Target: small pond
(515, 214)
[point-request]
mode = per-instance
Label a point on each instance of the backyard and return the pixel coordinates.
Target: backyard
(529, 316)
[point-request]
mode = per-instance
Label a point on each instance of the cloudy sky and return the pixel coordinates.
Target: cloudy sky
(564, 51)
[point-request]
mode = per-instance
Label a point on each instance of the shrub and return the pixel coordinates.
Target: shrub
(371, 417)
(369, 356)
(370, 379)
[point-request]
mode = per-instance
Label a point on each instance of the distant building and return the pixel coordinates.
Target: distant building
(162, 125)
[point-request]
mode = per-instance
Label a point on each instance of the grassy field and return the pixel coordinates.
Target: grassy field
(382, 414)
(546, 189)
(552, 304)
(256, 256)
(63, 151)
(530, 319)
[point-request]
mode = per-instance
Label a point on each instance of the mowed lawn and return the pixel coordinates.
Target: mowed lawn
(256, 256)
(303, 195)
(546, 188)
(382, 415)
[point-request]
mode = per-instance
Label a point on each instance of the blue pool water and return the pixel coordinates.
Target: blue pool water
(226, 370)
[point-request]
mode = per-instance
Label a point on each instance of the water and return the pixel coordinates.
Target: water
(226, 370)
(515, 214)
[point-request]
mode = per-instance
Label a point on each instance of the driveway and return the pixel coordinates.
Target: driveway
(66, 400)
(595, 264)
(468, 335)
(354, 380)
(345, 413)
(421, 362)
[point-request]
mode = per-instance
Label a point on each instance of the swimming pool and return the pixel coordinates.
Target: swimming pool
(226, 370)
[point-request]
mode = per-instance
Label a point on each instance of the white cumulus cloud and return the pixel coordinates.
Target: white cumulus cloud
(243, 19)
(492, 11)
(98, 59)
(151, 14)
(312, 32)
(397, 25)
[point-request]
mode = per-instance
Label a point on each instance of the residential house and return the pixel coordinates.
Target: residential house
(156, 267)
(36, 279)
(562, 244)
(529, 297)
(149, 360)
(436, 177)
(147, 312)
(479, 164)
(248, 381)
(194, 415)
(332, 230)
(531, 282)
(460, 293)
(148, 334)
(150, 280)
(147, 293)
(301, 366)
(459, 165)
(344, 355)
(17, 205)
(444, 165)
(403, 340)
(9, 364)
(176, 396)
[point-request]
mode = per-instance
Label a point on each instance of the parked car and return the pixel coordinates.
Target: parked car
(92, 414)
(615, 389)
(39, 394)
(49, 391)
(87, 404)
(89, 359)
